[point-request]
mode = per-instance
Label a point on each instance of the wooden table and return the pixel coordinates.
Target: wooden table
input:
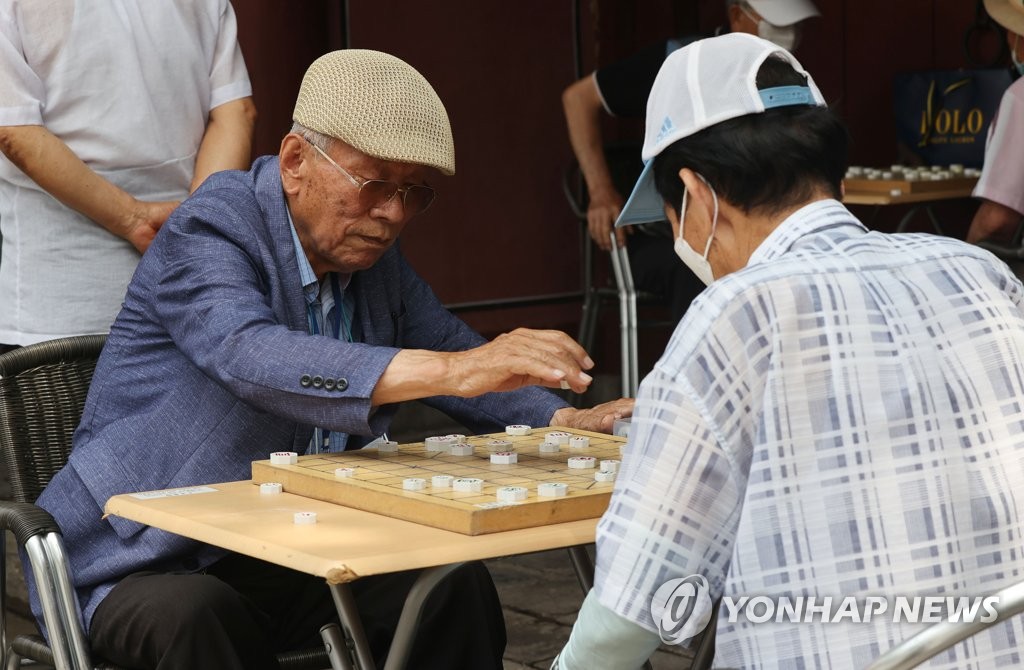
(921, 202)
(342, 546)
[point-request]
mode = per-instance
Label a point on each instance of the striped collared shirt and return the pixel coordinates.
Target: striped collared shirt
(323, 320)
(842, 417)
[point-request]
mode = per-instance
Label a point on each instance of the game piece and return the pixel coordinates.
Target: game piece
(441, 481)
(579, 442)
(455, 438)
(387, 446)
(610, 464)
(604, 476)
(414, 484)
(304, 518)
(512, 493)
(437, 443)
(461, 450)
(504, 457)
(495, 446)
(552, 489)
(549, 447)
(468, 485)
(270, 488)
(284, 458)
(582, 462)
(517, 429)
(558, 437)
(342, 473)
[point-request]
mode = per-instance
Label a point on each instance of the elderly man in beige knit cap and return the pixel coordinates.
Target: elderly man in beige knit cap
(273, 312)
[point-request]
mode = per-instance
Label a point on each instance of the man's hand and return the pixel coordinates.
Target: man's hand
(599, 419)
(604, 209)
(523, 357)
(144, 221)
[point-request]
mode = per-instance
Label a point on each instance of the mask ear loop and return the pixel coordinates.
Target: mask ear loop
(714, 220)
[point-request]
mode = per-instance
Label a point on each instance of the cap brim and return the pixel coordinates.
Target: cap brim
(785, 13)
(645, 204)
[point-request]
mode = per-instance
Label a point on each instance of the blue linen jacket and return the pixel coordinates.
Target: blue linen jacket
(208, 367)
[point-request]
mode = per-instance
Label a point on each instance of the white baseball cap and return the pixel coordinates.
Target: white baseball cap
(704, 83)
(784, 12)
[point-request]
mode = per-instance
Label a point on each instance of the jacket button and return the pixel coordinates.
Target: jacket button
(305, 380)
(342, 383)
(329, 384)
(318, 381)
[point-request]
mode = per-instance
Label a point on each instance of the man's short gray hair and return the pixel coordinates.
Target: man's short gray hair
(318, 140)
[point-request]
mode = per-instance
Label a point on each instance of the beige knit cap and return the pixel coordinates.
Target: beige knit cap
(378, 104)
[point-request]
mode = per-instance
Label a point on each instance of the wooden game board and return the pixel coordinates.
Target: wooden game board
(377, 484)
(858, 185)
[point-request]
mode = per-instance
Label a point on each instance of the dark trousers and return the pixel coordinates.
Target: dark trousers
(241, 611)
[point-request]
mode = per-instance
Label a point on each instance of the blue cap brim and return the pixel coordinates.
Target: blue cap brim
(645, 204)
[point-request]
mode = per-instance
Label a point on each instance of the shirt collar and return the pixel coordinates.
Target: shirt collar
(310, 286)
(815, 217)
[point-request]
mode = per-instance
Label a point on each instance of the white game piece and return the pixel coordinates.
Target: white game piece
(270, 488)
(495, 446)
(612, 465)
(886, 174)
(437, 443)
(517, 429)
(582, 462)
(895, 192)
(622, 450)
(414, 484)
(461, 450)
(604, 476)
(504, 458)
(558, 437)
(284, 458)
(344, 473)
(387, 446)
(579, 442)
(304, 518)
(621, 427)
(441, 481)
(549, 447)
(552, 489)
(468, 485)
(455, 438)
(512, 493)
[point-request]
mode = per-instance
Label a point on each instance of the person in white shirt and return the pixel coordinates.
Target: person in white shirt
(110, 113)
(839, 415)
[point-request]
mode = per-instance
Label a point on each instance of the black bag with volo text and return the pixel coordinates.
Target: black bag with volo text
(943, 116)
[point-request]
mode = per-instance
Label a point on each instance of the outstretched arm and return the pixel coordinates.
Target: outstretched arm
(50, 163)
(582, 104)
(994, 221)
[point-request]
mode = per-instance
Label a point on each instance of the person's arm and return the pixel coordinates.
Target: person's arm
(994, 221)
(602, 639)
(50, 163)
(582, 104)
(227, 142)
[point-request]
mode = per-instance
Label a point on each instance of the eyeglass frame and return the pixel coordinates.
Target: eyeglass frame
(404, 190)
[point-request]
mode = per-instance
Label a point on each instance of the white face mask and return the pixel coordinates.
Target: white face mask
(696, 262)
(786, 37)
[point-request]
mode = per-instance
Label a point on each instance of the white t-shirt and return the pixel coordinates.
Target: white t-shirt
(1002, 177)
(128, 86)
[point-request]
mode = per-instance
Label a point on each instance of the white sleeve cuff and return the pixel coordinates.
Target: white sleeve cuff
(603, 639)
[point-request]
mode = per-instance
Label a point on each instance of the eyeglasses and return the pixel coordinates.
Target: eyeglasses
(416, 198)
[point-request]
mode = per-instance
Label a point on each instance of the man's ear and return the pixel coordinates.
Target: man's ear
(293, 162)
(698, 193)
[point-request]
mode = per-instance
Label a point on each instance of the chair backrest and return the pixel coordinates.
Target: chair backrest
(42, 393)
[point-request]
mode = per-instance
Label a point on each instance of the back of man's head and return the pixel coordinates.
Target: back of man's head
(747, 117)
(378, 104)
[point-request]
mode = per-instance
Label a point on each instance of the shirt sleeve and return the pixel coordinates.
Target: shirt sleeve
(602, 639)
(676, 503)
(625, 85)
(229, 79)
(1003, 173)
(21, 91)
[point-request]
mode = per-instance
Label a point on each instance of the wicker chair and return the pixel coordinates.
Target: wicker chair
(42, 393)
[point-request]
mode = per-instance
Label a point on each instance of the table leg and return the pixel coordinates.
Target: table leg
(583, 566)
(352, 625)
